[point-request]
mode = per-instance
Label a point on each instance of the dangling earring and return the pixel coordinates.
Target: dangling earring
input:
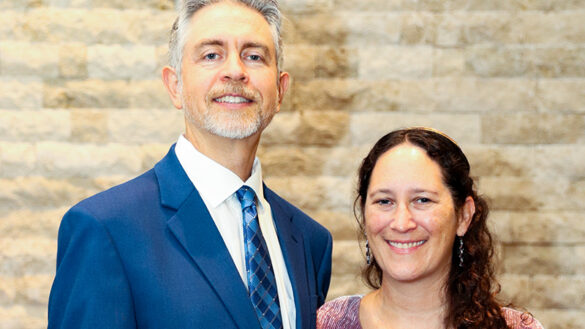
(461, 251)
(368, 253)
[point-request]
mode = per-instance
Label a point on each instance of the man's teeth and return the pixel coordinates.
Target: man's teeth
(406, 245)
(232, 99)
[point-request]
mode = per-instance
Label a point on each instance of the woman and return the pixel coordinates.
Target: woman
(428, 249)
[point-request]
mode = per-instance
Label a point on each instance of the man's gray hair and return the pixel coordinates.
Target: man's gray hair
(267, 8)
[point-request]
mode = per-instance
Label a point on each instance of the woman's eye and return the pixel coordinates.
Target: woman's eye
(423, 200)
(383, 202)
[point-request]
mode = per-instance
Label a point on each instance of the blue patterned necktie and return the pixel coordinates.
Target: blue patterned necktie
(261, 282)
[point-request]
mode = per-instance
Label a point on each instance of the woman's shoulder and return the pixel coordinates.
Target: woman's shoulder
(342, 312)
(520, 320)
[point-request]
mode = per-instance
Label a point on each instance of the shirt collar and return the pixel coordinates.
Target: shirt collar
(214, 182)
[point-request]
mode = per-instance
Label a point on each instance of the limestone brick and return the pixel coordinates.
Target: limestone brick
(86, 94)
(344, 29)
(17, 159)
(323, 128)
(96, 26)
(27, 290)
(537, 259)
(394, 62)
(291, 160)
(438, 94)
(349, 284)
(17, 317)
(558, 96)
(448, 63)
(139, 126)
(162, 58)
(134, 4)
(27, 256)
(73, 61)
(313, 193)
(526, 160)
(527, 194)
(34, 125)
(68, 3)
(560, 318)
(348, 257)
(20, 4)
(19, 93)
(10, 21)
(538, 226)
(29, 59)
(299, 61)
(545, 62)
(551, 291)
(367, 128)
(89, 126)
(32, 192)
(517, 5)
(87, 160)
(337, 62)
(121, 62)
(372, 5)
(148, 94)
(417, 28)
(341, 224)
(27, 223)
(292, 6)
(308, 128)
(531, 128)
(153, 153)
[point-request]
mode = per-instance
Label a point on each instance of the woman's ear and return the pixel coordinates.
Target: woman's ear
(465, 216)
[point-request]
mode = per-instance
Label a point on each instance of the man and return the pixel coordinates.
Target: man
(199, 241)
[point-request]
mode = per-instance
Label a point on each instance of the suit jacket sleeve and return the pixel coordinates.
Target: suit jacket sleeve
(89, 277)
(324, 271)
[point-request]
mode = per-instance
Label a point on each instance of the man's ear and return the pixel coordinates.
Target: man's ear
(465, 216)
(171, 82)
(283, 80)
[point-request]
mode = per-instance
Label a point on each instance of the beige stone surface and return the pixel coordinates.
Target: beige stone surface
(20, 93)
(82, 108)
(33, 126)
(121, 62)
(29, 59)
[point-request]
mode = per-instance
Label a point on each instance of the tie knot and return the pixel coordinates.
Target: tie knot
(246, 196)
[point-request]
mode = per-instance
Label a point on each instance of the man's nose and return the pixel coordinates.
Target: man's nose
(234, 69)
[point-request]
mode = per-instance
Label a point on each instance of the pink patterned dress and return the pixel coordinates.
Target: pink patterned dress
(343, 313)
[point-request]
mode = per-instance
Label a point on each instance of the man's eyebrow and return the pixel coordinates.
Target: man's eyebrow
(262, 46)
(209, 42)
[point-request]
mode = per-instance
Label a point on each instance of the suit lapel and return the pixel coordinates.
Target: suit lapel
(293, 250)
(195, 230)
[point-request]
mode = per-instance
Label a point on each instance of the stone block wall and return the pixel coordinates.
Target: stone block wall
(82, 108)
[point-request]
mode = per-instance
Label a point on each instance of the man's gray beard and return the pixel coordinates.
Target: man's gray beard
(232, 126)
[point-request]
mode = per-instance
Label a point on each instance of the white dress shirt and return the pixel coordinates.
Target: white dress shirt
(217, 186)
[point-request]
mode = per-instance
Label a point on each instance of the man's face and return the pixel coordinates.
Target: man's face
(229, 75)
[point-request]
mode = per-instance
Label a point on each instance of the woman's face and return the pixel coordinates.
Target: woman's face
(411, 221)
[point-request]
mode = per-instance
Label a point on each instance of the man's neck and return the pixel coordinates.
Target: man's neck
(236, 155)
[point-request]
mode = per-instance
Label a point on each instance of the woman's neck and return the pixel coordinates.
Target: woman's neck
(401, 305)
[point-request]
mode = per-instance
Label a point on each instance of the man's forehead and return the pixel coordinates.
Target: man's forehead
(227, 22)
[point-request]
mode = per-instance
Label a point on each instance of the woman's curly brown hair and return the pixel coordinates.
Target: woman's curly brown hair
(470, 289)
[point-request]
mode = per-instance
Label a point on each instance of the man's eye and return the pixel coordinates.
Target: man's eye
(211, 56)
(255, 57)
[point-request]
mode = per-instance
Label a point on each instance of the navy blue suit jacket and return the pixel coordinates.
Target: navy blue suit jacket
(147, 254)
